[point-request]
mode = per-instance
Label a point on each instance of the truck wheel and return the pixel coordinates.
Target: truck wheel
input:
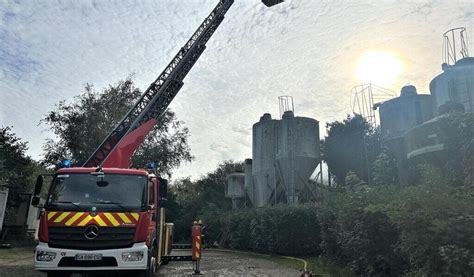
(151, 265)
(58, 274)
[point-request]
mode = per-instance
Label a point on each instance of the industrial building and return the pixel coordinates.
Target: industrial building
(413, 126)
(285, 153)
(452, 91)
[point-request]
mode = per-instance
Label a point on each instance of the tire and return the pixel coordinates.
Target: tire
(151, 268)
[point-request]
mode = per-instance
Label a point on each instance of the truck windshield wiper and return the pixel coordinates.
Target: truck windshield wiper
(55, 203)
(112, 202)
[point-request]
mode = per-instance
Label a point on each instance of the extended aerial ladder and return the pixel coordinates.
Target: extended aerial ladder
(120, 144)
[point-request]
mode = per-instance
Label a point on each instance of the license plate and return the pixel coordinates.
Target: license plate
(88, 257)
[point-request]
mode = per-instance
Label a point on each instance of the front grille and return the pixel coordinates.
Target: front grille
(71, 262)
(73, 238)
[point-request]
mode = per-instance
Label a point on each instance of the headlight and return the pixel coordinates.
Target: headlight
(134, 256)
(45, 256)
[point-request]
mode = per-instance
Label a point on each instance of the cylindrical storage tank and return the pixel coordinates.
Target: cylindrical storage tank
(235, 185)
(298, 153)
(248, 184)
(402, 113)
(263, 159)
(454, 86)
(397, 117)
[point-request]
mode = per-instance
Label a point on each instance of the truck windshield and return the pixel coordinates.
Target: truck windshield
(104, 191)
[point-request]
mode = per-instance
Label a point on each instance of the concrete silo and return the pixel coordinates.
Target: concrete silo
(454, 86)
(297, 154)
(265, 133)
(235, 190)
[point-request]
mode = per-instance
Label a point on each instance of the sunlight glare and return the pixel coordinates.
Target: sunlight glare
(378, 67)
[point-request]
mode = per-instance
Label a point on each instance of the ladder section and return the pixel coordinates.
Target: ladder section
(156, 99)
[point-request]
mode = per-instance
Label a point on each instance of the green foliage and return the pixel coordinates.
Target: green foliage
(281, 229)
(203, 196)
(350, 145)
(15, 166)
(459, 166)
(373, 230)
(83, 124)
(17, 171)
(436, 223)
(384, 169)
(357, 235)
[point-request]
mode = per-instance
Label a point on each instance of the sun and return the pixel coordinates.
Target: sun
(378, 67)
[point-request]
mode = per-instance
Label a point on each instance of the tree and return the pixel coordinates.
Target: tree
(459, 143)
(17, 171)
(384, 169)
(16, 168)
(203, 196)
(350, 145)
(82, 125)
(435, 219)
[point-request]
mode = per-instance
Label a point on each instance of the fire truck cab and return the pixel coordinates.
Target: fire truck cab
(102, 219)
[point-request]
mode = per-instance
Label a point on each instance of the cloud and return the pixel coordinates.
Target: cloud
(15, 62)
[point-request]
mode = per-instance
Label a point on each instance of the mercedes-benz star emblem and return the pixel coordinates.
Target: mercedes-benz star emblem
(91, 232)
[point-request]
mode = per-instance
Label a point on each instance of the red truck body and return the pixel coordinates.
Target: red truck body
(90, 233)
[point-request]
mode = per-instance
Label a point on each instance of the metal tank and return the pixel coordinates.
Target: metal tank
(264, 141)
(399, 114)
(235, 190)
(297, 154)
(454, 85)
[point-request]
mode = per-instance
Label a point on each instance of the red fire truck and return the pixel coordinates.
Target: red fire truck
(104, 215)
(102, 219)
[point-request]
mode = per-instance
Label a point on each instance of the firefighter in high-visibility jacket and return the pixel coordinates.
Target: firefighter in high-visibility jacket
(196, 233)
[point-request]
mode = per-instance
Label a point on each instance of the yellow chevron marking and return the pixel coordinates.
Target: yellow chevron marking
(111, 218)
(51, 214)
(198, 237)
(135, 215)
(73, 219)
(99, 221)
(124, 218)
(198, 245)
(197, 254)
(61, 217)
(85, 220)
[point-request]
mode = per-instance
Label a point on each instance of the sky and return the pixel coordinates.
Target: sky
(311, 50)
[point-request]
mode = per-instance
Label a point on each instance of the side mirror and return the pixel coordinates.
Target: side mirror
(37, 192)
(162, 192)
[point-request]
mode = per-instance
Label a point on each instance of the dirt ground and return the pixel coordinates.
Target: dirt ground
(19, 262)
(223, 263)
